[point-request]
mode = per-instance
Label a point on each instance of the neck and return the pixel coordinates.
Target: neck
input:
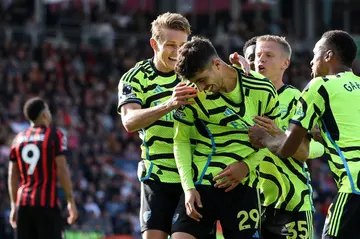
(38, 123)
(338, 68)
(230, 78)
(278, 82)
(159, 66)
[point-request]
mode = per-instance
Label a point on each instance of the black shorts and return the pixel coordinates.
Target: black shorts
(281, 224)
(39, 223)
(158, 204)
(237, 211)
(342, 220)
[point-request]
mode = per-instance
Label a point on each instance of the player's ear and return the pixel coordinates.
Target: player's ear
(153, 44)
(216, 63)
(286, 64)
(328, 55)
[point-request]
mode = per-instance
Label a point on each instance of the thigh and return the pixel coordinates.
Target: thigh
(279, 224)
(239, 212)
(158, 204)
(342, 220)
(24, 221)
(205, 228)
(49, 223)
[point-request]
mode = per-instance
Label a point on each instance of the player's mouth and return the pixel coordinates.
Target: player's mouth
(172, 59)
(261, 68)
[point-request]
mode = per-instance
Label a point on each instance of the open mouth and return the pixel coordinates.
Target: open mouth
(261, 68)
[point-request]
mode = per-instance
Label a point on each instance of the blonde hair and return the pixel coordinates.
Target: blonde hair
(173, 21)
(278, 39)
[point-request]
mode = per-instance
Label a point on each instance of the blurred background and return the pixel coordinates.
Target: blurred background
(73, 53)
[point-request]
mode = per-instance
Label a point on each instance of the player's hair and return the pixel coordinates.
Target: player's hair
(194, 56)
(278, 39)
(173, 21)
(250, 42)
(33, 107)
(342, 44)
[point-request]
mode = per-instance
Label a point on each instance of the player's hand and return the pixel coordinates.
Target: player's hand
(316, 134)
(268, 125)
(73, 212)
(180, 96)
(256, 135)
(12, 218)
(192, 196)
(239, 60)
(231, 176)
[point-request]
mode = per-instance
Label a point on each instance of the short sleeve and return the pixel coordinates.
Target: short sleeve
(13, 154)
(60, 142)
(130, 90)
(311, 104)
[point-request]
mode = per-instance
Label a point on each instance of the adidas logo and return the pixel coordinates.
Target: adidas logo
(256, 235)
(158, 89)
(228, 112)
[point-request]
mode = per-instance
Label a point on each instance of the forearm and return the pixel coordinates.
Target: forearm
(183, 157)
(140, 118)
(302, 152)
(13, 183)
(66, 184)
(286, 145)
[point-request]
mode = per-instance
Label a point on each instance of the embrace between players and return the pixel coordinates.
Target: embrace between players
(214, 136)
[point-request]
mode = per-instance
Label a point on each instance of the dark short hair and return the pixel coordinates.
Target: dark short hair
(194, 57)
(250, 42)
(342, 44)
(33, 107)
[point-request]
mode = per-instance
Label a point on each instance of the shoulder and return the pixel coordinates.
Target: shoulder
(289, 90)
(16, 140)
(256, 81)
(315, 83)
(138, 72)
(56, 133)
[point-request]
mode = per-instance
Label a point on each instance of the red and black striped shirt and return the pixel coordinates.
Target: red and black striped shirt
(34, 151)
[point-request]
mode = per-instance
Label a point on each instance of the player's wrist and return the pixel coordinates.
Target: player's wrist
(13, 205)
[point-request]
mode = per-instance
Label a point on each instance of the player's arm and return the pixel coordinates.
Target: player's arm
(63, 174)
(183, 124)
(13, 182)
(182, 147)
(131, 100)
(310, 107)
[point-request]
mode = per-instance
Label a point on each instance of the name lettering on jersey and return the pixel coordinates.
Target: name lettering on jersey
(32, 138)
(352, 86)
(168, 116)
(236, 125)
(299, 111)
(283, 109)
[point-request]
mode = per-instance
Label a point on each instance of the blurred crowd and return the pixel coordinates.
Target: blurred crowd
(79, 81)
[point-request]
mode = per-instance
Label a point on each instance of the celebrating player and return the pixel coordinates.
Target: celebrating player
(221, 118)
(148, 93)
(322, 102)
